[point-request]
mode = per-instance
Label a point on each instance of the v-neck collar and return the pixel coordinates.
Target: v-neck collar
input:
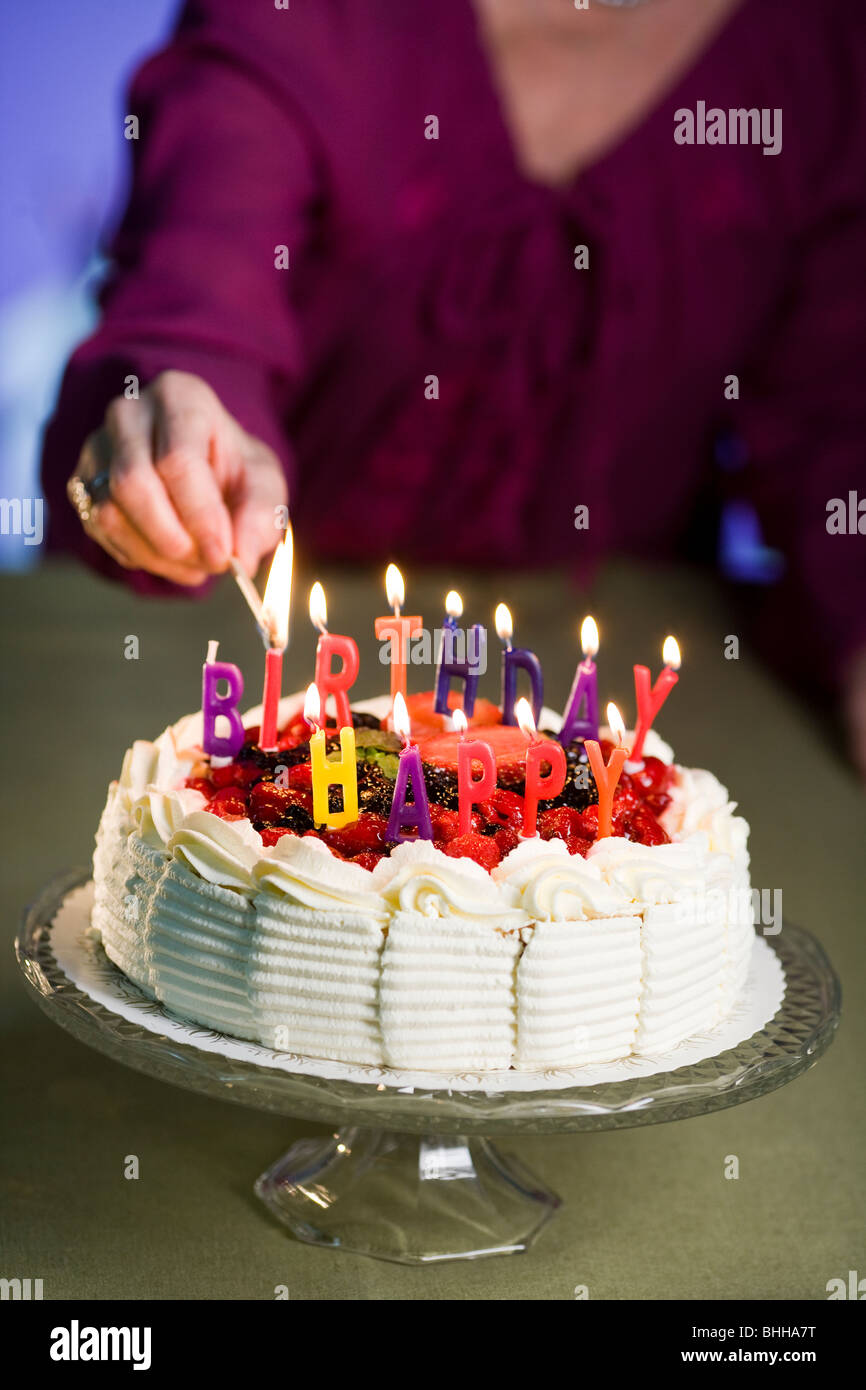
(671, 96)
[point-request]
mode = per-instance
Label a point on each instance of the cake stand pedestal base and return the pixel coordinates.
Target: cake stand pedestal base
(408, 1198)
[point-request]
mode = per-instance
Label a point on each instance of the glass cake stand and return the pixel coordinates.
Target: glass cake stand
(410, 1174)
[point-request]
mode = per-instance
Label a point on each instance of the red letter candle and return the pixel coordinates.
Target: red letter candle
(541, 753)
(472, 789)
(214, 704)
(650, 701)
(399, 629)
(409, 820)
(607, 774)
(329, 681)
(275, 613)
(583, 691)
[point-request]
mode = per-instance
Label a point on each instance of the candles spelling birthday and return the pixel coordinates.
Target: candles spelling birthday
(214, 705)
(409, 820)
(516, 659)
(542, 753)
(337, 772)
(455, 661)
(398, 629)
(650, 701)
(584, 691)
(275, 616)
(330, 680)
(607, 774)
(472, 789)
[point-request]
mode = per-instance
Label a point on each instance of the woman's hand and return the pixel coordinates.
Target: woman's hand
(187, 487)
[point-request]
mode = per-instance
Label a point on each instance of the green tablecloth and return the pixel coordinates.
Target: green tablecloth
(648, 1212)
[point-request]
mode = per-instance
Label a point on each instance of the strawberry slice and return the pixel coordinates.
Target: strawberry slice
(482, 848)
(508, 744)
(426, 722)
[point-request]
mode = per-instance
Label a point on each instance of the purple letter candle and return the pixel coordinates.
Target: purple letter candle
(414, 814)
(584, 690)
(212, 704)
(516, 659)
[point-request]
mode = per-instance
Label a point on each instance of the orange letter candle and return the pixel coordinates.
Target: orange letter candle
(607, 774)
(399, 629)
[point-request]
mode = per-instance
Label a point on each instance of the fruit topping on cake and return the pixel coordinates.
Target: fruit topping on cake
(274, 790)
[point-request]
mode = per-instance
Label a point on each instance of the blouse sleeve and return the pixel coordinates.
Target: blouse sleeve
(222, 182)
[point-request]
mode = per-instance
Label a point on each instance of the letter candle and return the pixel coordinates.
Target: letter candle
(650, 701)
(607, 774)
(515, 659)
(469, 788)
(541, 752)
(584, 689)
(329, 681)
(220, 747)
(342, 772)
(398, 628)
(275, 615)
(414, 815)
(449, 667)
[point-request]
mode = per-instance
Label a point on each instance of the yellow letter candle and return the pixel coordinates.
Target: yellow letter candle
(325, 773)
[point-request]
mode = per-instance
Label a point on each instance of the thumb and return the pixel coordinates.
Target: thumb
(259, 513)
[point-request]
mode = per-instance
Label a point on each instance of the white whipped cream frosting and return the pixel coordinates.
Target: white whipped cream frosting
(303, 869)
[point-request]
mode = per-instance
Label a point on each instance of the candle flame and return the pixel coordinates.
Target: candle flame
(615, 724)
(318, 607)
(313, 704)
(524, 716)
(502, 619)
(589, 637)
(453, 604)
(278, 593)
(395, 588)
(671, 653)
(459, 722)
(400, 718)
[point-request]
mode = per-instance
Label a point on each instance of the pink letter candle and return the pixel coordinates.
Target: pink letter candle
(472, 789)
(584, 691)
(541, 753)
(409, 820)
(214, 704)
(607, 774)
(516, 659)
(330, 681)
(650, 701)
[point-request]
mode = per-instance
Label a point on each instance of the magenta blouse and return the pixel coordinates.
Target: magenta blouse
(413, 258)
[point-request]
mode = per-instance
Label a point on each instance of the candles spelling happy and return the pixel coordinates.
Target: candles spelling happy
(650, 701)
(398, 628)
(275, 616)
(214, 705)
(607, 774)
(584, 691)
(541, 753)
(450, 666)
(409, 820)
(516, 659)
(330, 647)
(326, 773)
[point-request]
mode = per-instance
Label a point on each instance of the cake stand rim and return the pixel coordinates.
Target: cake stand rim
(658, 1098)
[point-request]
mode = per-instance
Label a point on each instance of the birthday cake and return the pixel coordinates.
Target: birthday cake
(479, 947)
